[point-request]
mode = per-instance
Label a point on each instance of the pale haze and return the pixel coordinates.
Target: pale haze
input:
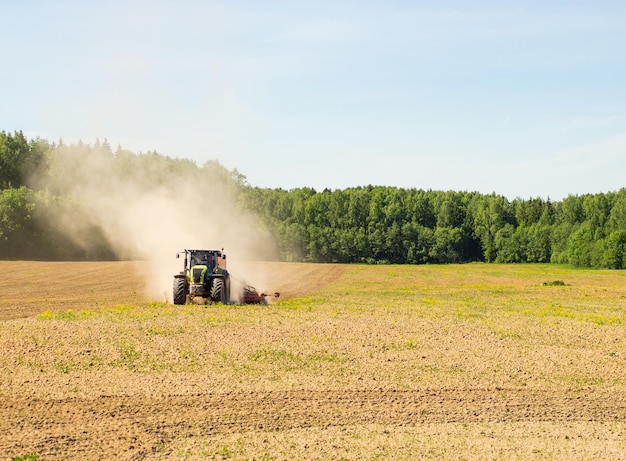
(524, 99)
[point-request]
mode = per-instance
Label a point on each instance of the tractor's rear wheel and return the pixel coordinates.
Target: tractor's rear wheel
(217, 291)
(179, 291)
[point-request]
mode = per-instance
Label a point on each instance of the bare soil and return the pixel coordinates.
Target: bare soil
(286, 421)
(109, 427)
(30, 287)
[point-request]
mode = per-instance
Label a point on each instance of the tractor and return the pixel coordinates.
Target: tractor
(204, 277)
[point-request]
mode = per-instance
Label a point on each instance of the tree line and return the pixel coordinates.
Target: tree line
(369, 224)
(412, 226)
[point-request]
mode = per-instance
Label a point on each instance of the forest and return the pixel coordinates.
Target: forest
(43, 194)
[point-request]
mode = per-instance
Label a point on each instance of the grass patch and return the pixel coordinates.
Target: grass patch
(273, 356)
(68, 315)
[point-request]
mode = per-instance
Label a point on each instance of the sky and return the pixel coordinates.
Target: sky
(523, 99)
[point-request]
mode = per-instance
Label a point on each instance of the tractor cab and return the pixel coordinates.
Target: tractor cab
(213, 260)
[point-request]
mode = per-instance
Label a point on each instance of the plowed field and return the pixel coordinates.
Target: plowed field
(353, 362)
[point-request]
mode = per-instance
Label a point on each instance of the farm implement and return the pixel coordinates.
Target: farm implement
(252, 296)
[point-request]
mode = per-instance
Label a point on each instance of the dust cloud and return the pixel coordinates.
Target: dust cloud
(148, 207)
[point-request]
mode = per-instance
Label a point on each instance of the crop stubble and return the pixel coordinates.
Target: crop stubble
(449, 362)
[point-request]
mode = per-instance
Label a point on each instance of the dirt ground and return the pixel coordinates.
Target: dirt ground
(31, 287)
(113, 427)
(297, 421)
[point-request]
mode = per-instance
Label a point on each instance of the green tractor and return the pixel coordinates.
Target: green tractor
(204, 278)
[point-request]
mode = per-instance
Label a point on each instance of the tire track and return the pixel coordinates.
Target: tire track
(140, 425)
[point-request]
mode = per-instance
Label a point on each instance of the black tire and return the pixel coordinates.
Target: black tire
(218, 291)
(226, 293)
(179, 291)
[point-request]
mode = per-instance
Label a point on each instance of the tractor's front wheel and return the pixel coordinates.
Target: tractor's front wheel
(218, 291)
(179, 290)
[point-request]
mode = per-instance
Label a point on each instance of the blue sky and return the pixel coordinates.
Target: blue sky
(524, 99)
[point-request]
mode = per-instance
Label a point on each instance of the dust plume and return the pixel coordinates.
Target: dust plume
(148, 207)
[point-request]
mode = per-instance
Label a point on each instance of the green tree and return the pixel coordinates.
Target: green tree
(420, 208)
(420, 240)
(597, 210)
(614, 256)
(17, 233)
(358, 207)
(446, 247)
(617, 215)
(538, 247)
(509, 243)
(20, 159)
(570, 210)
(449, 209)
(581, 245)
(490, 214)
(560, 240)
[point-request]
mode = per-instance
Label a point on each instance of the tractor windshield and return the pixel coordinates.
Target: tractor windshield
(203, 258)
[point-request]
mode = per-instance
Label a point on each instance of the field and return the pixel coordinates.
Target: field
(461, 362)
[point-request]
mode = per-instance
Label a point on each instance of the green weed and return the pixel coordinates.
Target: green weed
(30, 457)
(272, 356)
(68, 314)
